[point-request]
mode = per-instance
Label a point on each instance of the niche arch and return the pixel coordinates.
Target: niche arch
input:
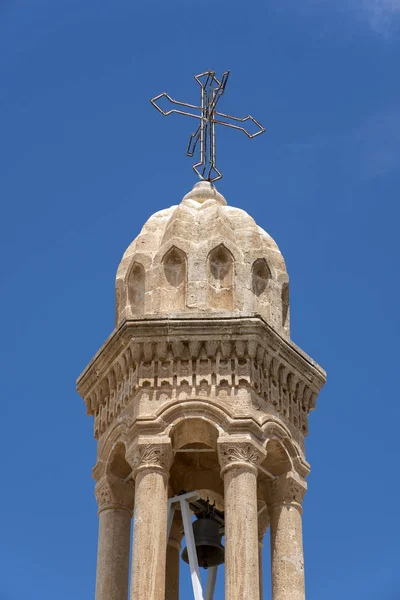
(174, 275)
(220, 273)
(136, 289)
(260, 276)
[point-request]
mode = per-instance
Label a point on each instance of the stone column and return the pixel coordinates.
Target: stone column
(239, 458)
(115, 502)
(287, 562)
(151, 460)
(173, 559)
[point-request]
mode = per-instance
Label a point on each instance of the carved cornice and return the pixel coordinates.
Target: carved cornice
(150, 454)
(111, 493)
(175, 355)
(244, 453)
(286, 490)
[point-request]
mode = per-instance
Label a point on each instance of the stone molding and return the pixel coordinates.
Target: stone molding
(153, 454)
(197, 367)
(287, 490)
(239, 452)
(114, 493)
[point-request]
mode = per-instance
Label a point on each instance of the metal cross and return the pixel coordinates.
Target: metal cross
(211, 90)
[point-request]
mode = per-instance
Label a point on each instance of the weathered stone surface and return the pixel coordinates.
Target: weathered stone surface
(200, 388)
(203, 256)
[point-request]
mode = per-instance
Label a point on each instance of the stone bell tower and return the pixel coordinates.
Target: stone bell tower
(200, 399)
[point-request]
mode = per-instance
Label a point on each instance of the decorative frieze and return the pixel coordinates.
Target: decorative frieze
(173, 361)
(199, 368)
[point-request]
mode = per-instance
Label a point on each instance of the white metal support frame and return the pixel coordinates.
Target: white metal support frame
(184, 500)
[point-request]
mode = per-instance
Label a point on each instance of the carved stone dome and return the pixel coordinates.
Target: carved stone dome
(203, 258)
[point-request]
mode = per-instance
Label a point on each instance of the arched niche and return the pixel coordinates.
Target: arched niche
(260, 275)
(195, 465)
(285, 304)
(174, 267)
(194, 433)
(136, 289)
(220, 278)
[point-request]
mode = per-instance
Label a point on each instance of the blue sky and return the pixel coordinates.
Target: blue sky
(85, 160)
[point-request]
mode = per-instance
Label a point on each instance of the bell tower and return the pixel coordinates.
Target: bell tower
(200, 402)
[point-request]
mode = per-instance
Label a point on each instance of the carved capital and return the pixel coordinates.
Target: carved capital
(239, 452)
(112, 492)
(286, 490)
(151, 454)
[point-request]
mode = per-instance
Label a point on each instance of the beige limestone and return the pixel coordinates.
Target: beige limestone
(115, 502)
(239, 458)
(203, 256)
(287, 561)
(200, 388)
(113, 554)
(151, 462)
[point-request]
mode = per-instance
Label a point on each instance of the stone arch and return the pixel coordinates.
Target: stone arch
(217, 416)
(174, 274)
(277, 460)
(196, 465)
(260, 275)
(220, 273)
(136, 289)
(194, 432)
(117, 465)
(274, 430)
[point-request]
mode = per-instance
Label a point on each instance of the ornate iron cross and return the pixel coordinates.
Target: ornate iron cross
(211, 90)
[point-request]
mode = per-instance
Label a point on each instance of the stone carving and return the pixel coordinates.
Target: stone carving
(197, 369)
(239, 453)
(114, 493)
(260, 276)
(136, 289)
(220, 266)
(286, 489)
(173, 293)
(150, 455)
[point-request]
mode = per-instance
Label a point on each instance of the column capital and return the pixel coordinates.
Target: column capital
(239, 451)
(288, 489)
(150, 453)
(112, 492)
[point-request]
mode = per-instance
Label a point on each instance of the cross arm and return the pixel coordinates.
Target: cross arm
(166, 113)
(261, 129)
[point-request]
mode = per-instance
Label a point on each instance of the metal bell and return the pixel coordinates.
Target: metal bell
(207, 539)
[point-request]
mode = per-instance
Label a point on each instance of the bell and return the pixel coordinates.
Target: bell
(207, 539)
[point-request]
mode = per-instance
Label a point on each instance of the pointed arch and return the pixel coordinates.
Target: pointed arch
(136, 289)
(260, 275)
(220, 274)
(174, 267)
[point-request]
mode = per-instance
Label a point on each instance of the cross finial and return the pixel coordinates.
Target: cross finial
(211, 90)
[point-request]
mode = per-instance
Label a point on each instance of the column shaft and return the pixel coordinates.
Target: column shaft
(241, 533)
(150, 536)
(287, 561)
(113, 554)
